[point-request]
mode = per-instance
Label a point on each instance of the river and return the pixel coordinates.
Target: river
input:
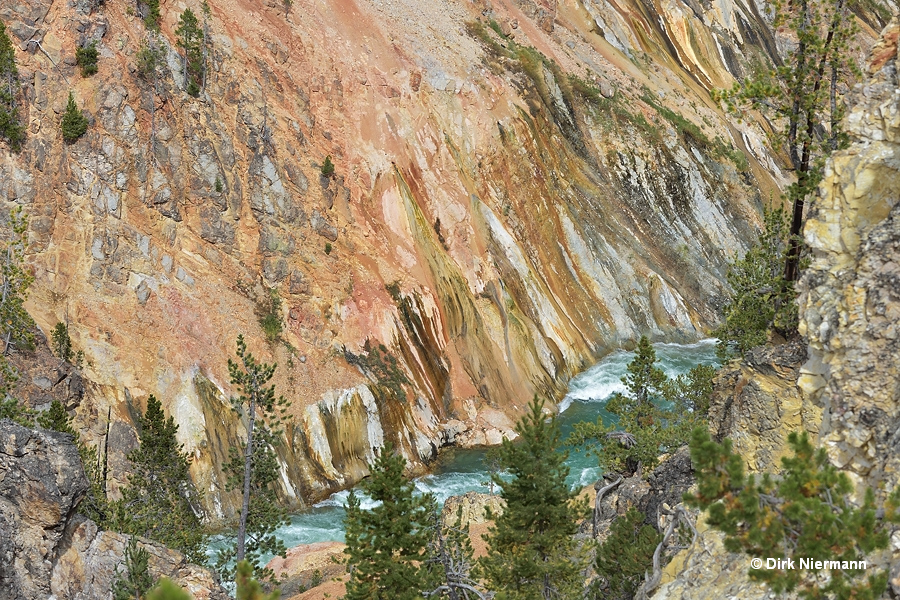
(462, 470)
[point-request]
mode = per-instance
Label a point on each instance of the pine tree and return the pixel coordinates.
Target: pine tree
(625, 556)
(74, 123)
(248, 588)
(153, 17)
(15, 323)
(254, 468)
(654, 415)
(158, 502)
(135, 581)
(86, 58)
(387, 544)
(762, 298)
(806, 512)
(531, 552)
(11, 128)
(62, 343)
(803, 95)
(95, 505)
(190, 40)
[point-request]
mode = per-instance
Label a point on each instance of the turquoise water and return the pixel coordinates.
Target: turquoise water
(462, 470)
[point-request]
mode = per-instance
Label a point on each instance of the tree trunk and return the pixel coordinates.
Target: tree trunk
(248, 459)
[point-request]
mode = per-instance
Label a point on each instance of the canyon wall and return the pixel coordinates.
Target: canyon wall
(518, 188)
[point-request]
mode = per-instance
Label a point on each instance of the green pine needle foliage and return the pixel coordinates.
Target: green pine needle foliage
(74, 123)
(625, 556)
(62, 343)
(387, 544)
(248, 588)
(135, 581)
(531, 550)
(152, 17)
(805, 512)
(95, 505)
(11, 128)
(86, 58)
(16, 324)
(264, 514)
(190, 40)
(327, 167)
(158, 502)
(763, 299)
(167, 590)
(658, 412)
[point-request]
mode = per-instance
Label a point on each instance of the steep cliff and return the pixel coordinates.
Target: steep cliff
(849, 302)
(519, 187)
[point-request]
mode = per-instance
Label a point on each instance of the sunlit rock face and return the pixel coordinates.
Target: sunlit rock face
(850, 295)
(493, 225)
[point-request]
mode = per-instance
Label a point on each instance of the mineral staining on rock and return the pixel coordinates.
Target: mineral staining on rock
(529, 228)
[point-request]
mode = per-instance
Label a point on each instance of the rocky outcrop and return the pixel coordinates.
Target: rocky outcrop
(756, 403)
(850, 294)
(49, 551)
(308, 566)
(849, 299)
(469, 509)
(41, 484)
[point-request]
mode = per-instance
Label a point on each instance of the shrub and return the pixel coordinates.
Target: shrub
(328, 167)
(626, 555)
(74, 123)
(763, 299)
(327, 247)
(86, 58)
(270, 316)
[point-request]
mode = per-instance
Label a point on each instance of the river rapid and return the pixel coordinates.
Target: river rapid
(462, 470)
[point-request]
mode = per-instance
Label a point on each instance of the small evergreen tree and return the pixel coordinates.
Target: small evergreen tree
(328, 167)
(626, 555)
(74, 123)
(387, 544)
(86, 58)
(15, 323)
(135, 581)
(95, 505)
(254, 468)
(190, 40)
(803, 95)
(153, 17)
(763, 299)
(11, 128)
(807, 513)
(158, 502)
(653, 415)
(62, 343)
(531, 550)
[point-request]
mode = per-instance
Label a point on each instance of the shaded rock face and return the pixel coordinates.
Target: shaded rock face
(522, 228)
(41, 483)
(850, 295)
(49, 551)
(756, 403)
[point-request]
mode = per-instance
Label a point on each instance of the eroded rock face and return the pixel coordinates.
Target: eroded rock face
(49, 551)
(850, 295)
(756, 403)
(41, 484)
(494, 229)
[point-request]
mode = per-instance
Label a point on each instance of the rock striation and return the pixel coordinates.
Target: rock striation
(506, 207)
